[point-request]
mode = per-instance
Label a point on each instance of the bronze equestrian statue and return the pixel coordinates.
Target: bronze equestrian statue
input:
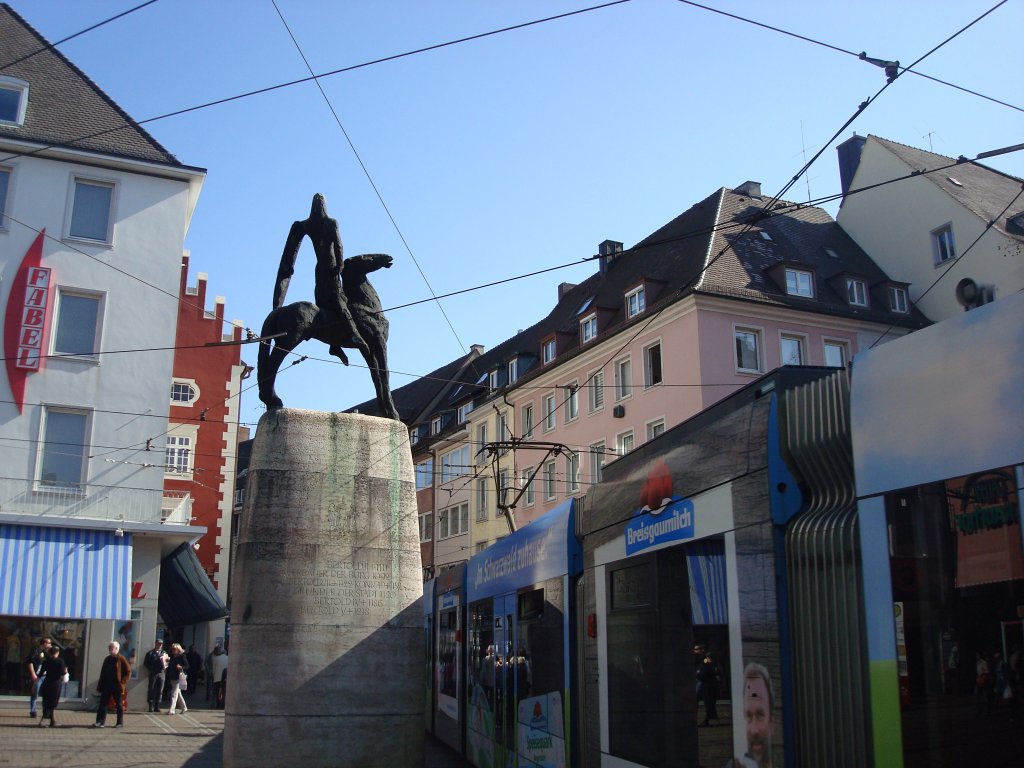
(347, 312)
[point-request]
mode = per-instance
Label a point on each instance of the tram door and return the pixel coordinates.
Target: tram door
(505, 678)
(491, 734)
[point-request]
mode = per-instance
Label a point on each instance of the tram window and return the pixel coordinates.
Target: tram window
(531, 605)
(632, 587)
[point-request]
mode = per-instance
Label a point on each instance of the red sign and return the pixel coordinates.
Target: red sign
(26, 318)
(137, 593)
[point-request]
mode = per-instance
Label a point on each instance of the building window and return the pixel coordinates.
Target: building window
(856, 292)
(588, 329)
(799, 283)
(504, 433)
(512, 371)
(748, 350)
(652, 365)
(528, 420)
(435, 425)
(529, 497)
(78, 324)
(13, 100)
(597, 462)
(90, 210)
(454, 464)
(549, 480)
(572, 402)
(655, 428)
(63, 451)
(550, 409)
(453, 521)
(504, 486)
(479, 547)
(898, 300)
(463, 411)
(178, 459)
(481, 499)
(624, 443)
(791, 350)
(424, 474)
(492, 380)
(183, 392)
(572, 472)
(596, 390)
(623, 378)
(943, 245)
(548, 351)
(426, 526)
(481, 441)
(836, 354)
(635, 302)
(5, 182)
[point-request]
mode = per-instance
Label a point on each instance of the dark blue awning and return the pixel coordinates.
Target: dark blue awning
(186, 594)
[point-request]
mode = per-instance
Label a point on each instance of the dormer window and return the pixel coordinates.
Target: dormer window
(548, 351)
(856, 292)
(13, 100)
(493, 380)
(635, 302)
(799, 282)
(588, 329)
(435, 425)
(585, 306)
(512, 370)
(463, 411)
(898, 300)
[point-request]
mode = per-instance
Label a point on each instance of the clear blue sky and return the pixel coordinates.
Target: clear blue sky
(519, 151)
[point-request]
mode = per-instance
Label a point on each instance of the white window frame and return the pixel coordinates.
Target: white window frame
(425, 474)
(173, 445)
(797, 338)
(572, 472)
(572, 402)
(550, 480)
(625, 442)
(482, 507)
(623, 378)
(458, 512)
(20, 87)
(492, 380)
(758, 335)
(512, 370)
(191, 384)
(426, 520)
(529, 489)
(550, 415)
(435, 425)
(463, 411)
(454, 464)
(856, 292)
(113, 185)
(943, 244)
(588, 329)
(654, 427)
(83, 474)
(899, 301)
(649, 366)
(595, 391)
(480, 455)
(597, 457)
(841, 344)
(635, 301)
(100, 299)
(503, 496)
(528, 424)
(548, 351)
(795, 286)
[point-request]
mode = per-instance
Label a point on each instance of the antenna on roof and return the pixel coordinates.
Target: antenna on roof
(929, 137)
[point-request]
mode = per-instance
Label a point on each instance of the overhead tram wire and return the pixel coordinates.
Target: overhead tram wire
(811, 40)
(79, 33)
(394, 57)
(369, 178)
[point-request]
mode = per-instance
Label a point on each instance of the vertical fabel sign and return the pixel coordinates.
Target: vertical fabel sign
(26, 318)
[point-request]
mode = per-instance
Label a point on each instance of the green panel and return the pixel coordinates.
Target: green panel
(886, 719)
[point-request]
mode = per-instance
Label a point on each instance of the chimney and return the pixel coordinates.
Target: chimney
(749, 188)
(564, 288)
(849, 159)
(609, 251)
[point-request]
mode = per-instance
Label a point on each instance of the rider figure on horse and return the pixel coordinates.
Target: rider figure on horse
(328, 294)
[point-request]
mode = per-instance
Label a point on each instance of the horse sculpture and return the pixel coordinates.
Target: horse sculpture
(304, 320)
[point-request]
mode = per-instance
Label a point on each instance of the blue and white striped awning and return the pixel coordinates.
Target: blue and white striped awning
(64, 573)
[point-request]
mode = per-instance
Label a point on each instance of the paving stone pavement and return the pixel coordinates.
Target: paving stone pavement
(148, 740)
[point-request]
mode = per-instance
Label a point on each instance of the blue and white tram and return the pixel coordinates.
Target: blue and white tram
(521, 642)
(445, 617)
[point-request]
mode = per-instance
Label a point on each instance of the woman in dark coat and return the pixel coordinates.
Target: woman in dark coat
(54, 668)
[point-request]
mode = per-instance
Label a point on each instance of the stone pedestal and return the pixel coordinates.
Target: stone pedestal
(326, 630)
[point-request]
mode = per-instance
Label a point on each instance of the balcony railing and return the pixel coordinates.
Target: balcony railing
(94, 502)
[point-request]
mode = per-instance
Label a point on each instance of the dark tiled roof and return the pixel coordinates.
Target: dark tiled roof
(65, 107)
(982, 190)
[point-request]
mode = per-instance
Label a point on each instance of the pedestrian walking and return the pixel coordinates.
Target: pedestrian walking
(155, 661)
(55, 674)
(115, 673)
(34, 664)
(177, 676)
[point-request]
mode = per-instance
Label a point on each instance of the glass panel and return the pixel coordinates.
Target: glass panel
(91, 214)
(9, 101)
(5, 179)
(63, 448)
(76, 325)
